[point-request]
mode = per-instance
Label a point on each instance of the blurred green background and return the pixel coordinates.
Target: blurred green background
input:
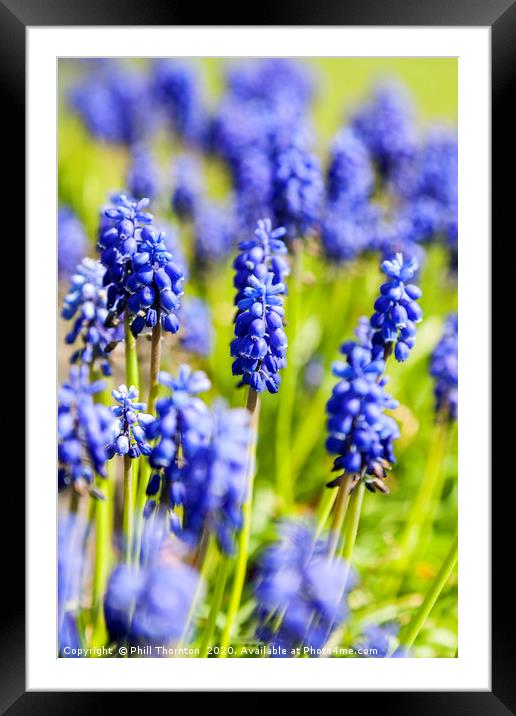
(333, 299)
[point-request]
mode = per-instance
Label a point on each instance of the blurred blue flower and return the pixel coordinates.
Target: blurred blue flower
(378, 643)
(197, 333)
(433, 170)
(444, 368)
(300, 593)
(129, 439)
(298, 190)
(86, 302)
(237, 127)
(151, 605)
(84, 428)
(212, 487)
(273, 81)
(214, 232)
(183, 419)
(143, 176)
(419, 220)
(188, 188)
(427, 186)
(348, 230)
(385, 123)
(72, 242)
(176, 86)
(114, 103)
(253, 175)
(70, 573)
(396, 310)
(350, 173)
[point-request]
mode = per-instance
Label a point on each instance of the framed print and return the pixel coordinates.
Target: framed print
(259, 320)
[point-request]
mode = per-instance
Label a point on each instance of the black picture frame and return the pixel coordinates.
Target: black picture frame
(500, 16)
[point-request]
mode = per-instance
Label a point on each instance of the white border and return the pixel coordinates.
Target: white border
(472, 669)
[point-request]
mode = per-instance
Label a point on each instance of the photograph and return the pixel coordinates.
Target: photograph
(257, 357)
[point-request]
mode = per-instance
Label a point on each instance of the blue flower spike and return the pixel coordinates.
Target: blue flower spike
(141, 275)
(359, 431)
(301, 594)
(130, 439)
(260, 344)
(396, 310)
(444, 368)
(86, 302)
(84, 428)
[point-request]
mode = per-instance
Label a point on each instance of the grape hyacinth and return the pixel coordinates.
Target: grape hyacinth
(155, 284)
(188, 188)
(84, 428)
(428, 186)
(120, 227)
(183, 423)
(360, 433)
(298, 190)
(444, 368)
(70, 567)
(210, 532)
(348, 232)
(252, 172)
(130, 436)
(272, 81)
(433, 171)
(264, 252)
(300, 593)
(177, 88)
(260, 272)
(211, 487)
(140, 272)
(196, 335)
(143, 174)
(86, 302)
(350, 173)
(151, 605)
(214, 232)
(260, 345)
(114, 104)
(396, 310)
(72, 241)
(386, 126)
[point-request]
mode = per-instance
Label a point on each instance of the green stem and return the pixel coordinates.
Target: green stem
(128, 513)
(418, 515)
(155, 361)
(205, 571)
(411, 632)
(352, 520)
(145, 469)
(103, 527)
(324, 509)
(253, 406)
(216, 603)
(339, 513)
(286, 398)
(131, 356)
